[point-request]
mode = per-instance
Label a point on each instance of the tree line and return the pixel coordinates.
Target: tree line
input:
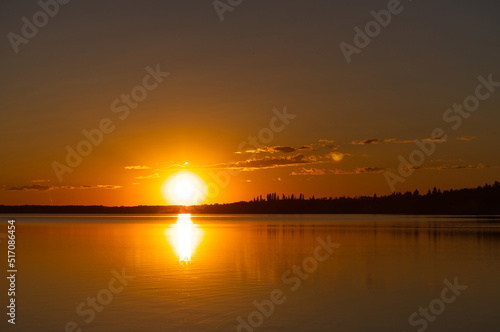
(482, 200)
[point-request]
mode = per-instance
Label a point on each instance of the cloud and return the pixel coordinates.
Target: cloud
(380, 141)
(173, 166)
(448, 167)
(372, 170)
(439, 140)
(322, 143)
(284, 149)
(37, 187)
(364, 170)
(40, 181)
(289, 149)
(337, 156)
(33, 187)
(310, 171)
(278, 149)
(138, 167)
(319, 171)
(267, 162)
(466, 138)
(98, 186)
(151, 176)
(326, 143)
(372, 141)
(404, 141)
(393, 140)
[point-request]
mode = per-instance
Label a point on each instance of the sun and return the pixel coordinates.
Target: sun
(184, 188)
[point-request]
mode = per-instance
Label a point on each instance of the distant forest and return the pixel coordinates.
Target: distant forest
(483, 200)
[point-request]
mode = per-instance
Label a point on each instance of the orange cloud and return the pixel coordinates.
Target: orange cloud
(151, 176)
(138, 167)
(466, 138)
(37, 187)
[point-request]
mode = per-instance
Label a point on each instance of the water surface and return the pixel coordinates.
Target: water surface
(205, 273)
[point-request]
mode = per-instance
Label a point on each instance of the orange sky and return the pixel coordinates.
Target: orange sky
(229, 82)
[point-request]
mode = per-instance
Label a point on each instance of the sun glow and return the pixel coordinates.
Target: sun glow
(184, 188)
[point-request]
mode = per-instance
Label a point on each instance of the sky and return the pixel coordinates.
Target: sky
(254, 97)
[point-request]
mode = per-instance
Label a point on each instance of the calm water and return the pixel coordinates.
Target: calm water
(206, 273)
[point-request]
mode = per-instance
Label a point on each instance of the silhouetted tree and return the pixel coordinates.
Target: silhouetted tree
(481, 200)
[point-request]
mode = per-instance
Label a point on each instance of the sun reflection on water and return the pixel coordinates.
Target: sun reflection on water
(185, 237)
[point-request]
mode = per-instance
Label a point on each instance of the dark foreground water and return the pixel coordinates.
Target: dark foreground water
(254, 273)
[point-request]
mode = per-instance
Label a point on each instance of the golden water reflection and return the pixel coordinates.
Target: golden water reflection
(185, 237)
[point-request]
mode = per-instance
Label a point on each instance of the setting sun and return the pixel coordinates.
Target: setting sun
(184, 188)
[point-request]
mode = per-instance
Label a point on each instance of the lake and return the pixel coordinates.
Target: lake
(254, 273)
